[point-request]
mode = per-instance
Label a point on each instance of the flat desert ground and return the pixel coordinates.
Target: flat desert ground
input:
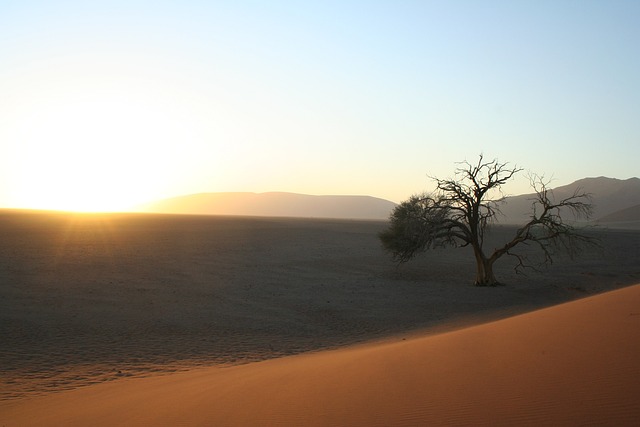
(133, 319)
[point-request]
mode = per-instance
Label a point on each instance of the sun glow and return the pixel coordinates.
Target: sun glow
(77, 156)
(92, 151)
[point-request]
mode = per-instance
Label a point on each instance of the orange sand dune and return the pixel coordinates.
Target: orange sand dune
(572, 364)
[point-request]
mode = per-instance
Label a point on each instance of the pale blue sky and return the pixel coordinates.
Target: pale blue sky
(107, 104)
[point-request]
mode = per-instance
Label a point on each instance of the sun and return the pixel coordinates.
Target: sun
(91, 153)
(106, 132)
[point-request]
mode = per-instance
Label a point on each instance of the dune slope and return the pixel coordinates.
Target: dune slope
(572, 364)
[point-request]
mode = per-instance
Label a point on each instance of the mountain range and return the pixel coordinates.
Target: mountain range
(615, 201)
(275, 204)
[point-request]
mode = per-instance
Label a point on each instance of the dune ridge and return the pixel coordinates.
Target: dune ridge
(572, 364)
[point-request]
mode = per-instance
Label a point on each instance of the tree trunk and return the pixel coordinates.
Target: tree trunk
(484, 271)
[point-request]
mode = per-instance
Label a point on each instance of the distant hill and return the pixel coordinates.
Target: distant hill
(625, 216)
(614, 200)
(275, 204)
(610, 195)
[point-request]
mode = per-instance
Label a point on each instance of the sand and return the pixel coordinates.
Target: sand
(106, 307)
(574, 364)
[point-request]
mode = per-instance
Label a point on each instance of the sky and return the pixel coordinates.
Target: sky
(108, 104)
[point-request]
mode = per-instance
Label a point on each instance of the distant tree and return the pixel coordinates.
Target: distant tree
(459, 212)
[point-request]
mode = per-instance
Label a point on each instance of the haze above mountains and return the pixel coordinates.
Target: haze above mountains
(615, 202)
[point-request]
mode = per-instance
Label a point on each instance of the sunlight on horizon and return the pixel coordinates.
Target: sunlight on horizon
(95, 149)
(87, 155)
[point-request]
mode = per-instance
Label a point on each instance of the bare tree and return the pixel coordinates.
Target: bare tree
(461, 209)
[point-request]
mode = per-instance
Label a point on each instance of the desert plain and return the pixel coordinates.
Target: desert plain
(138, 319)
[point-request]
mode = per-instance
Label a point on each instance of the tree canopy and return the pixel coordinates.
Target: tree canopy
(461, 209)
